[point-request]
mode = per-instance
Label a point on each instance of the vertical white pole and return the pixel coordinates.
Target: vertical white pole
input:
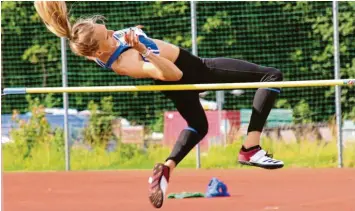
(194, 51)
(337, 88)
(65, 103)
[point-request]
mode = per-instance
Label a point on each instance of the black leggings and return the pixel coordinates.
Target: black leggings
(222, 70)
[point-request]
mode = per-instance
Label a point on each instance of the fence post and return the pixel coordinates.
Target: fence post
(194, 52)
(337, 88)
(65, 103)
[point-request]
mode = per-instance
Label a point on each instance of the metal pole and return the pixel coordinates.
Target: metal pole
(194, 52)
(220, 101)
(337, 88)
(65, 103)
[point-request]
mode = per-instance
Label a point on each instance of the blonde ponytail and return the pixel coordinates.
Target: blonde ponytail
(55, 17)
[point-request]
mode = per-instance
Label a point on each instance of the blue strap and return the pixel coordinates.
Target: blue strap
(275, 90)
(150, 44)
(191, 129)
(100, 63)
(122, 48)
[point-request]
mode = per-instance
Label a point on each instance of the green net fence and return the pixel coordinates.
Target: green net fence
(295, 37)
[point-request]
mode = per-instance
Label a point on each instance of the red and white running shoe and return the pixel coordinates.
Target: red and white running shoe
(158, 184)
(260, 158)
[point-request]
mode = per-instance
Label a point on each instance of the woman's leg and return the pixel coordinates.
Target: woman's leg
(224, 70)
(189, 106)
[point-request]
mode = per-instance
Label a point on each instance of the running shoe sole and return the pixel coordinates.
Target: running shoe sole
(156, 196)
(278, 166)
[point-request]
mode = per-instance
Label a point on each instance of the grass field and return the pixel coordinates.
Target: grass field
(45, 157)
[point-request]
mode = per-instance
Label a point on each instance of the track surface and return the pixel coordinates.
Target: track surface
(250, 189)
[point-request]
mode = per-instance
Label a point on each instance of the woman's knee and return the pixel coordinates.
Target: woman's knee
(201, 128)
(204, 129)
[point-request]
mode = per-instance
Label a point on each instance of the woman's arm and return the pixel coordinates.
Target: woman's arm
(157, 67)
(168, 70)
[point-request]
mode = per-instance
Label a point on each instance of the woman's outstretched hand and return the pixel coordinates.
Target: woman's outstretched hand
(132, 40)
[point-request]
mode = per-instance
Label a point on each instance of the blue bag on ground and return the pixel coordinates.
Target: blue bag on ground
(216, 188)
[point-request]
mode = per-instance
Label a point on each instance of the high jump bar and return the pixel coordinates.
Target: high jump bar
(218, 86)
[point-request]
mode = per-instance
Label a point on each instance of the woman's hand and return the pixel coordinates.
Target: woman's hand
(132, 40)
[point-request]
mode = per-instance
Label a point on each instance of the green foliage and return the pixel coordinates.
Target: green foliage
(8, 11)
(36, 148)
(305, 154)
(322, 35)
(282, 103)
(302, 113)
(49, 101)
(295, 37)
(35, 131)
(99, 128)
(158, 125)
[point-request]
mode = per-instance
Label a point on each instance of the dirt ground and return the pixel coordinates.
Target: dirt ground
(250, 189)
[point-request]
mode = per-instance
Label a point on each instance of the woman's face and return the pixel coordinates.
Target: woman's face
(105, 38)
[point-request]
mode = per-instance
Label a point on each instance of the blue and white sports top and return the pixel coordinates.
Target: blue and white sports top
(119, 36)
